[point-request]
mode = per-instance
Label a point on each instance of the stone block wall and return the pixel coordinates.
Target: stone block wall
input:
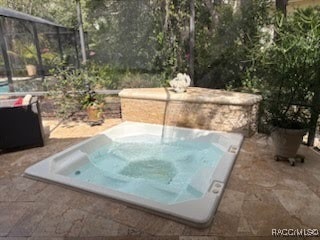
(211, 116)
(201, 108)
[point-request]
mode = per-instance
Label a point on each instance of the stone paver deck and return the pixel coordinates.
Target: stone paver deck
(261, 195)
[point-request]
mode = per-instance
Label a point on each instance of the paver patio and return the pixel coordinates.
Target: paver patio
(261, 195)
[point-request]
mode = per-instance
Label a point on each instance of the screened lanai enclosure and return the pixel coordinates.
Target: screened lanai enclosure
(30, 48)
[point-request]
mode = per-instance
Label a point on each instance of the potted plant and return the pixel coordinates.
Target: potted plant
(93, 107)
(72, 93)
(31, 70)
(286, 72)
(287, 124)
(29, 56)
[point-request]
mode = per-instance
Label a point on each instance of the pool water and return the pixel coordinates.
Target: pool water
(144, 166)
(4, 88)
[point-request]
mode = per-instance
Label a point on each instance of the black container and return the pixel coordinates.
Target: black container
(20, 126)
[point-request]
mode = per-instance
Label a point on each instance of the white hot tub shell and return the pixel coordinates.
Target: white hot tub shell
(196, 212)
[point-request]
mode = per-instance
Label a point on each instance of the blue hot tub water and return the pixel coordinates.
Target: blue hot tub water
(144, 166)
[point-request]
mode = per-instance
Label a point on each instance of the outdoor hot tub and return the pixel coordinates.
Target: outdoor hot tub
(179, 173)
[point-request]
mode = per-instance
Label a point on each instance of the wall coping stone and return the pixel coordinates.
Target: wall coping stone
(193, 94)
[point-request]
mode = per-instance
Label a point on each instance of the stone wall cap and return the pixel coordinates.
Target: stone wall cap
(193, 94)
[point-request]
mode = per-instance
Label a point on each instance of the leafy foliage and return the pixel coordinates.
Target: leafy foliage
(54, 10)
(224, 41)
(121, 31)
(171, 31)
(153, 35)
(72, 91)
(286, 72)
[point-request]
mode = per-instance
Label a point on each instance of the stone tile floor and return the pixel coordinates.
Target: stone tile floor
(261, 195)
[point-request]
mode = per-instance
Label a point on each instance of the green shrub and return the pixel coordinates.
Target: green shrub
(286, 72)
(71, 90)
(223, 46)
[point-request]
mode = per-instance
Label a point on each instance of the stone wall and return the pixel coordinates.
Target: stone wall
(221, 117)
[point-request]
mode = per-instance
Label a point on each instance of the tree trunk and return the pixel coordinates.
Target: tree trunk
(214, 15)
(192, 40)
(81, 33)
(167, 16)
(281, 5)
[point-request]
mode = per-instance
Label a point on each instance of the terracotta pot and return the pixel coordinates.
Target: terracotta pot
(31, 70)
(287, 141)
(95, 113)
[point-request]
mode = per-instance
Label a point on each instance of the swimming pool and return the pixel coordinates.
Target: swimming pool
(175, 172)
(4, 88)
